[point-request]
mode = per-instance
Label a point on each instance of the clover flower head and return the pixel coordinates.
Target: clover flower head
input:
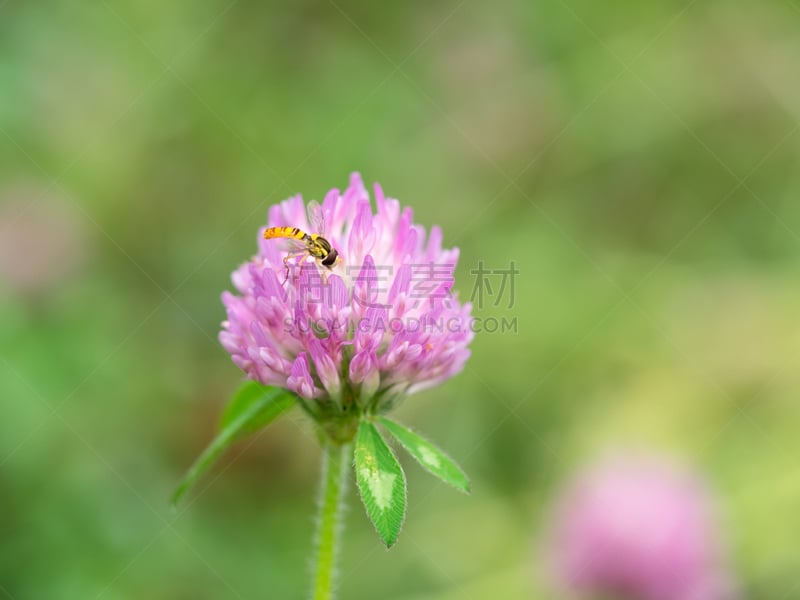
(380, 323)
(639, 528)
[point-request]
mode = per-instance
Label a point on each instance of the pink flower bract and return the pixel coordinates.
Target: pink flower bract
(384, 322)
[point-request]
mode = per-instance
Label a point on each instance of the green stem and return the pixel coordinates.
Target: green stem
(335, 463)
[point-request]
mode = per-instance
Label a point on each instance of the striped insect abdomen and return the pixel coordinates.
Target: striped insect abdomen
(284, 232)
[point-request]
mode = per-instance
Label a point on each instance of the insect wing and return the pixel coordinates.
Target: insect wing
(316, 218)
(296, 245)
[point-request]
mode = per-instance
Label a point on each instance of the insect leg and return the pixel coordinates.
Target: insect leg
(287, 258)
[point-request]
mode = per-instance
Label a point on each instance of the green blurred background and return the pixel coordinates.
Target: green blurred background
(638, 162)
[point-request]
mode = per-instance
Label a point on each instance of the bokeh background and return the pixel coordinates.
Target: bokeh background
(638, 161)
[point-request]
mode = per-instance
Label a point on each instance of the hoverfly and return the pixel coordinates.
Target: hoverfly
(307, 244)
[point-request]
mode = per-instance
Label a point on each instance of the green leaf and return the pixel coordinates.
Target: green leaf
(381, 483)
(252, 408)
(429, 456)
